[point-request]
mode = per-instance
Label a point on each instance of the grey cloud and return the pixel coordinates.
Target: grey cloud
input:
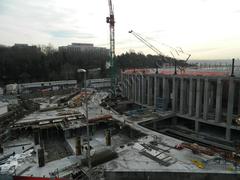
(71, 34)
(40, 16)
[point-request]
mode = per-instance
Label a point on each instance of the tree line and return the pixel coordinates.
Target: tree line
(21, 65)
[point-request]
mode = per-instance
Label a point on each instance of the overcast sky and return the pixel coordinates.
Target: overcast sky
(207, 29)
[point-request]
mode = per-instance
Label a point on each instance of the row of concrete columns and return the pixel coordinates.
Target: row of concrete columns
(145, 89)
(196, 97)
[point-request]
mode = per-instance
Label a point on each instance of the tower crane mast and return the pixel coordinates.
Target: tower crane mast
(112, 65)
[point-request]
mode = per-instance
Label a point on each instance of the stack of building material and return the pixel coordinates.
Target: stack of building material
(156, 154)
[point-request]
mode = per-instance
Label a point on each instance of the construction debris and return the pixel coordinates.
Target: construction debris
(196, 149)
(15, 160)
(77, 100)
(199, 164)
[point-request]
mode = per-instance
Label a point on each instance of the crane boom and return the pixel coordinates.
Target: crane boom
(146, 43)
(181, 67)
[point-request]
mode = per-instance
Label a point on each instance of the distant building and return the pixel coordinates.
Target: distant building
(40, 86)
(20, 45)
(26, 47)
(99, 83)
(46, 86)
(83, 47)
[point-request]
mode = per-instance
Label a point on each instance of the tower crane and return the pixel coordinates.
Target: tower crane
(181, 67)
(146, 42)
(111, 64)
(139, 37)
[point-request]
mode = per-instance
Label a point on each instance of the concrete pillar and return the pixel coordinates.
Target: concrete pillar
(174, 94)
(41, 158)
(156, 89)
(135, 88)
(143, 90)
(206, 99)
(219, 101)
(196, 126)
(230, 107)
(139, 88)
(165, 93)
(78, 146)
(122, 80)
(132, 88)
(148, 90)
(182, 94)
(211, 96)
(150, 86)
(108, 137)
(129, 87)
(199, 99)
(191, 93)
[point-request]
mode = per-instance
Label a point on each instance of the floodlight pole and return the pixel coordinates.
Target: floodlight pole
(88, 136)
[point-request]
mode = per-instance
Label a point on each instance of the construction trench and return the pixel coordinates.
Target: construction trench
(128, 139)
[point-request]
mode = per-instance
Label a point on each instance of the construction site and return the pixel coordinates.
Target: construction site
(175, 121)
(160, 125)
